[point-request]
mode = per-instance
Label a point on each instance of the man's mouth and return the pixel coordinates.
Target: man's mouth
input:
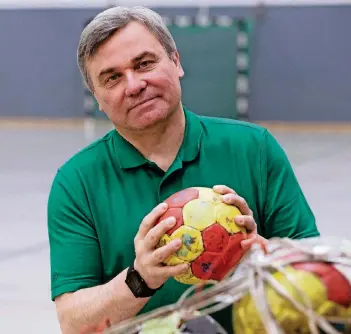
(143, 102)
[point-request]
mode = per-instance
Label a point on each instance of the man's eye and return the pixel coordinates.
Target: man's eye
(145, 63)
(112, 78)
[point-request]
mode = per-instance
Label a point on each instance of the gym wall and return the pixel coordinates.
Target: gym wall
(300, 66)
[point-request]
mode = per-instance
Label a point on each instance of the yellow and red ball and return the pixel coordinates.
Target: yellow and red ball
(326, 288)
(210, 237)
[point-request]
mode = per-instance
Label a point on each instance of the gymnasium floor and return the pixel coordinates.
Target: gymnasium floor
(29, 158)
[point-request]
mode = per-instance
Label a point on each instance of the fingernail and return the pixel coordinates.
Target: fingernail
(239, 219)
(244, 247)
(171, 221)
(176, 243)
(226, 197)
(185, 267)
(163, 206)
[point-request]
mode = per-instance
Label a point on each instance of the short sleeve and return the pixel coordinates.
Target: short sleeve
(286, 211)
(75, 257)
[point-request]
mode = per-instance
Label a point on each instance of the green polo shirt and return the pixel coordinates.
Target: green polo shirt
(100, 195)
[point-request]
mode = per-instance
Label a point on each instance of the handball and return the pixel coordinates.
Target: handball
(210, 237)
(324, 285)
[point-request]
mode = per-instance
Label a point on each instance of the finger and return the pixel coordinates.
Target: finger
(263, 242)
(222, 189)
(239, 202)
(246, 221)
(156, 233)
(162, 253)
(247, 243)
(149, 220)
(171, 271)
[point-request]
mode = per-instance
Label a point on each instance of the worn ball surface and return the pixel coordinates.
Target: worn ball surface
(324, 285)
(210, 237)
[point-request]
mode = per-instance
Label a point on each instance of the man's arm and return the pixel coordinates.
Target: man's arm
(286, 210)
(77, 286)
(82, 299)
(85, 307)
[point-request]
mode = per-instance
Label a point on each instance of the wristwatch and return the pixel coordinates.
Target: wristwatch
(137, 284)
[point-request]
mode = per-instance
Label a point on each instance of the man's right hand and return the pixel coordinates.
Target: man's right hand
(148, 260)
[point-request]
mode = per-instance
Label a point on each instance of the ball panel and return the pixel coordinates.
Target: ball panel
(177, 213)
(172, 260)
(207, 194)
(216, 265)
(338, 287)
(208, 266)
(233, 253)
(199, 214)
(188, 277)
(192, 245)
(215, 238)
(164, 240)
(225, 215)
(180, 198)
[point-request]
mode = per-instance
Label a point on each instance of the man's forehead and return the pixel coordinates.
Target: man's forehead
(129, 43)
(134, 33)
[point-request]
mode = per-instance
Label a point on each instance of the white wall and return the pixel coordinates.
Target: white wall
(159, 3)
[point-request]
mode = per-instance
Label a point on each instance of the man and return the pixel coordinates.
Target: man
(105, 200)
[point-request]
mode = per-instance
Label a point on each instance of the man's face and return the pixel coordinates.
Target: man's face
(135, 82)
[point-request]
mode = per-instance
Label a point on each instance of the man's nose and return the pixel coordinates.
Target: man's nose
(135, 84)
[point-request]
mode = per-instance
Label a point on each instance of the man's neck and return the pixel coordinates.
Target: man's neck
(161, 143)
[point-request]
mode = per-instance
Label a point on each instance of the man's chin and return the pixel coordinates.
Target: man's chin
(148, 118)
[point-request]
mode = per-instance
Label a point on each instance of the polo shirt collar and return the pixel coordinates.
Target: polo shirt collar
(129, 157)
(192, 137)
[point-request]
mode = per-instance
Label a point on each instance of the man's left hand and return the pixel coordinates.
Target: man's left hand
(246, 219)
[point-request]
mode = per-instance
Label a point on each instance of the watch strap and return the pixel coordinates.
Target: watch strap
(137, 284)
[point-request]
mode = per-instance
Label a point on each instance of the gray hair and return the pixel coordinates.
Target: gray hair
(106, 23)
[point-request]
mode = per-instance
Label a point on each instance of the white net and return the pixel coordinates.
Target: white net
(291, 286)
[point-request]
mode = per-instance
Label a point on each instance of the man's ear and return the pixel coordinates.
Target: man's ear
(176, 60)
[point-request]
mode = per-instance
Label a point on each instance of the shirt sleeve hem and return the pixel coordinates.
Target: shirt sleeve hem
(71, 287)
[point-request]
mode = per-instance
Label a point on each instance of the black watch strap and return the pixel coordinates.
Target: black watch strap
(137, 284)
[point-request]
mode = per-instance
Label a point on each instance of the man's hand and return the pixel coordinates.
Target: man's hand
(246, 219)
(148, 261)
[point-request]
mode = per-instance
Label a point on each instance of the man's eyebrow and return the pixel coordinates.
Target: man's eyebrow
(143, 55)
(136, 59)
(108, 70)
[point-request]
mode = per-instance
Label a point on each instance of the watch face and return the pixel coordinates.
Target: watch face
(137, 285)
(133, 281)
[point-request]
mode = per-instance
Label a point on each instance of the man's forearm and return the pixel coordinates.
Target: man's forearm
(85, 307)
